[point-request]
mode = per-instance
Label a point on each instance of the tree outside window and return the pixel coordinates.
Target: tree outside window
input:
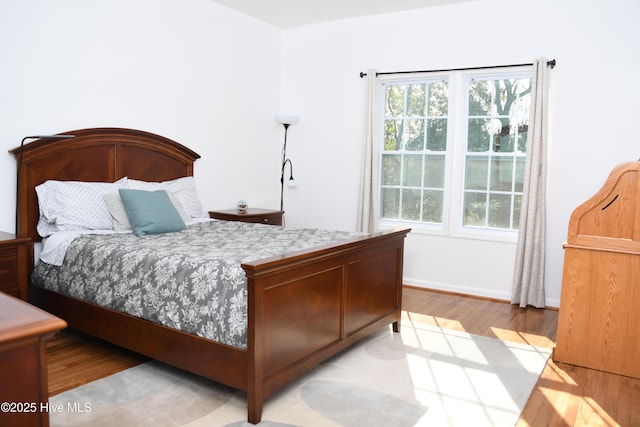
(490, 132)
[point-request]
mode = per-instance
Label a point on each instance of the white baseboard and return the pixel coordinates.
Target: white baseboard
(479, 292)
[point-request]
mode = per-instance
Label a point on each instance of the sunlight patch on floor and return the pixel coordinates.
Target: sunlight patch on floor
(460, 379)
(587, 408)
(522, 337)
(439, 322)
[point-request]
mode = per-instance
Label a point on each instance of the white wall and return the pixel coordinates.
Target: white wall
(594, 100)
(214, 79)
(190, 70)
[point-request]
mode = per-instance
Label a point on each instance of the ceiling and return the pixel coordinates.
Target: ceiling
(295, 13)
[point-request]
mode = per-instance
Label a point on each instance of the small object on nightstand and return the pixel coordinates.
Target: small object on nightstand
(242, 206)
(16, 261)
(262, 216)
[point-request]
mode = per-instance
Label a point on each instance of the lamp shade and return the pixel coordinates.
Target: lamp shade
(287, 118)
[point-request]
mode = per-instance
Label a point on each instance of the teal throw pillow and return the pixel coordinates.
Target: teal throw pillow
(150, 212)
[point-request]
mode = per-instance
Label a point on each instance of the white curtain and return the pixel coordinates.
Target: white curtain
(528, 283)
(368, 200)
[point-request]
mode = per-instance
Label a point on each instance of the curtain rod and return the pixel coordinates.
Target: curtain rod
(551, 63)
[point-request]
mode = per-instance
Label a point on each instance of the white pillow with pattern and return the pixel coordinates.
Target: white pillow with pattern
(184, 189)
(74, 205)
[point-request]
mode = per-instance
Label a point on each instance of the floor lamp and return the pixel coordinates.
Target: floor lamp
(286, 120)
(45, 137)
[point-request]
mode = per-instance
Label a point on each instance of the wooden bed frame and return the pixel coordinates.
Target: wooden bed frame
(303, 307)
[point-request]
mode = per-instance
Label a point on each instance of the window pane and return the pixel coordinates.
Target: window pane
(414, 134)
(390, 203)
(510, 136)
(434, 172)
(432, 206)
(522, 91)
(394, 101)
(512, 103)
(438, 99)
(500, 210)
(415, 122)
(517, 203)
(393, 135)
(523, 133)
(501, 173)
(480, 98)
(437, 134)
(412, 171)
(416, 94)
(498, 111)
(478, 136)
(391, 169)
(474, 209)
(411, 205)
(476, 173)
(519, 184)
(503, 140)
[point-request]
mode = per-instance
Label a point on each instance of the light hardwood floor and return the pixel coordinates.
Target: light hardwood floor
(565, 395)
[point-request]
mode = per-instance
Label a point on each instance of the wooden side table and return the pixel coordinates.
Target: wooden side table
(24, 391)
(16, 262)
(263, 216)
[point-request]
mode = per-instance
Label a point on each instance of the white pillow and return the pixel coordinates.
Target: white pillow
(184, 189)
(74, 205)
(119, 214)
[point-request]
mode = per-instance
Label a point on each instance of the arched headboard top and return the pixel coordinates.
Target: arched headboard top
(97, 154)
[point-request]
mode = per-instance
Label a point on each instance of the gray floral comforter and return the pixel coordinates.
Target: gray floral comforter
(190, 280)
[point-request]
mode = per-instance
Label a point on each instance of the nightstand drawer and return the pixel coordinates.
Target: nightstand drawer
(271, 220)
(16, 263)
(9, 271)
(262, 216)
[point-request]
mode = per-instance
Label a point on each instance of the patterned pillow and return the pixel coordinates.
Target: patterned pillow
(74, 205)
(119, 214)
(150, 212)
(184, 189)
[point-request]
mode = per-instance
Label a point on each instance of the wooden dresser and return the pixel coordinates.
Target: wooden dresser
(16, 261)
(24, 330)
(599, 318)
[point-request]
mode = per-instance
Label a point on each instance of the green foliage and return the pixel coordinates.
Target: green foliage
(416, 122)
(416, 117)
(498, 115)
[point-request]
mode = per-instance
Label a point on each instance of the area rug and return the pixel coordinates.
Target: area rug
(422, 376)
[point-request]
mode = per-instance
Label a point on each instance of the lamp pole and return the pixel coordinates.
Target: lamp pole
(20, 164)
(284, 164)
(286, 120)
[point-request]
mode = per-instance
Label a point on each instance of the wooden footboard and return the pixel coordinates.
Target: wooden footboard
(303, 308)
(306, 307)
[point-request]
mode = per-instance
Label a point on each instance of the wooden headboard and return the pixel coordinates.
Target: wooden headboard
(99, 154)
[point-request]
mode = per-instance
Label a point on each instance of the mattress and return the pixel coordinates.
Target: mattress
(189, 280)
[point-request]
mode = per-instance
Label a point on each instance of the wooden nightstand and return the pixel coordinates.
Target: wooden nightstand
(263, 216)
(16, 262)
(24, 330)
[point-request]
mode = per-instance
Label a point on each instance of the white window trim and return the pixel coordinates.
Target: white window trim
(454, 182)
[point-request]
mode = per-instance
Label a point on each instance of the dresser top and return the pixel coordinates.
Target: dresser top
(19, 319)
(5, 237)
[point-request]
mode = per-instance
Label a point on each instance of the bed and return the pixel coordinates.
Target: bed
(342, 291)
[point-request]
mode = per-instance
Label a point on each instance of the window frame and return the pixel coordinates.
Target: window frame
(454, 165)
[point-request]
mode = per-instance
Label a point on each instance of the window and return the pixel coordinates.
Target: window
(413, 156)
(453, 151)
